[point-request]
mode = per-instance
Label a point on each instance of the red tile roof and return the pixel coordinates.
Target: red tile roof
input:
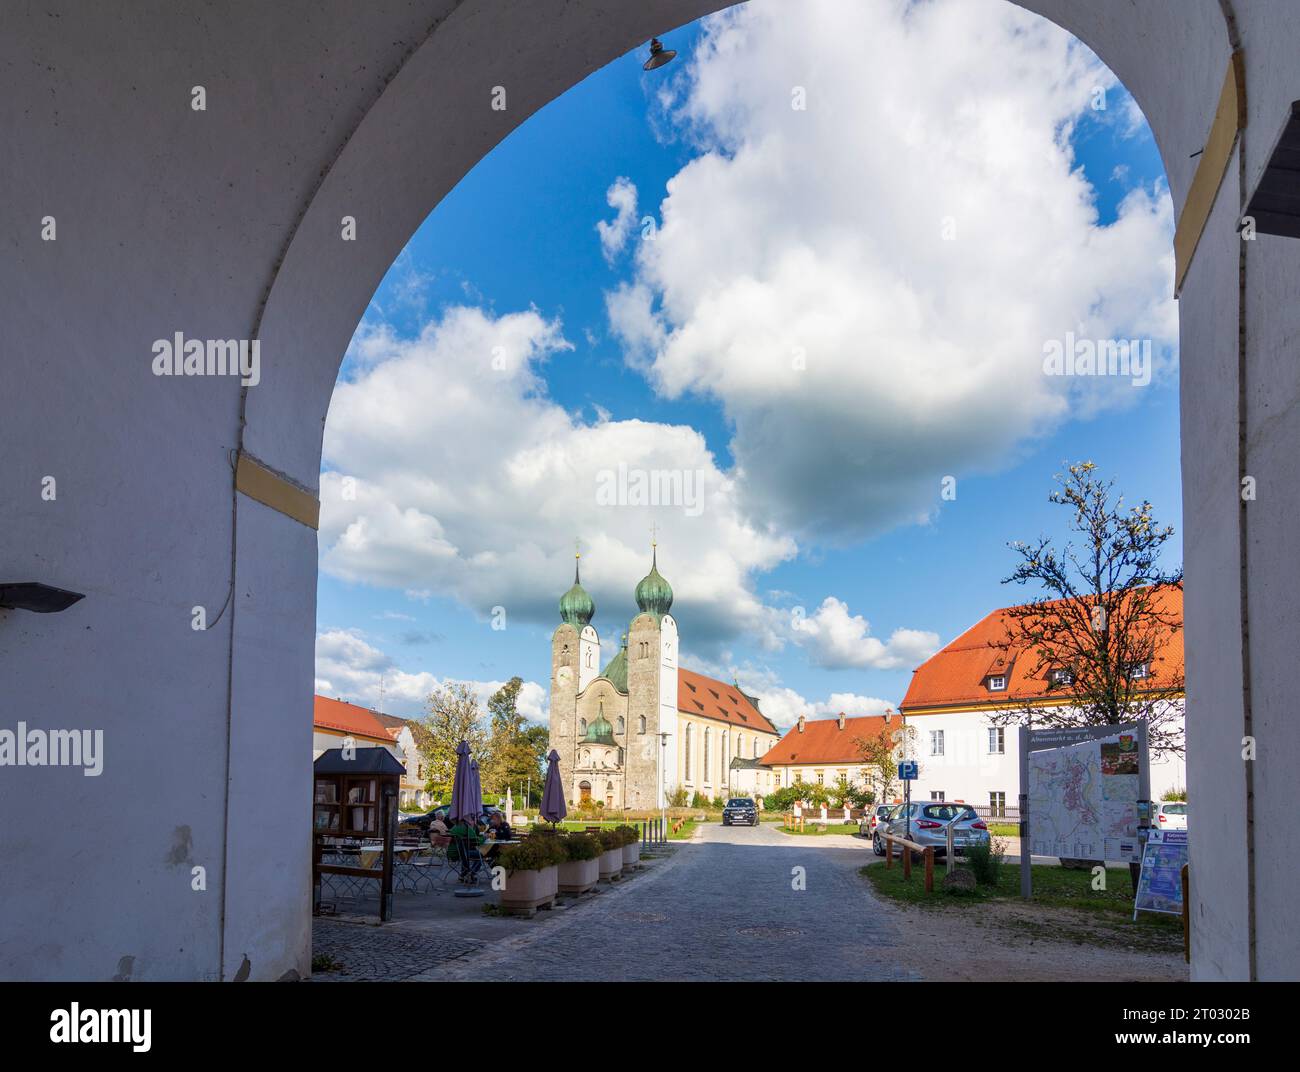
(823, 741)
(955, 675)
(709, 698)
(349, 718)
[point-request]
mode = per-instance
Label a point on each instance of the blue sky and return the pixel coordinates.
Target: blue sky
(518, 234)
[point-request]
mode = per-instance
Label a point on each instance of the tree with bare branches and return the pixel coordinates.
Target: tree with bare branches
(1098, 637)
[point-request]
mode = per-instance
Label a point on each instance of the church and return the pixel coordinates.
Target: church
(631, 734)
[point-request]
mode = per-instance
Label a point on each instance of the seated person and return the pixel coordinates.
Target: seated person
(498, 830)
(466, 831)
(439, 825)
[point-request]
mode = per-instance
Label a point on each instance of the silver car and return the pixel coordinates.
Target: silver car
(927, 824)
(873, 818)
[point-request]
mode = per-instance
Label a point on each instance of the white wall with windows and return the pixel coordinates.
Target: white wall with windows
(963, 756)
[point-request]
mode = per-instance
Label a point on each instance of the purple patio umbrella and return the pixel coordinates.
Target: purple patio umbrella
(553, 806)
(466, 801)
(466, 806)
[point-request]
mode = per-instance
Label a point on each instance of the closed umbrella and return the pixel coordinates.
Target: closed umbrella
(553, 806)
(462, 805)
(466, 806)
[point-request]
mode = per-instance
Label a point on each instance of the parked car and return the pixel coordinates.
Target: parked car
(926, 824)
(875, 815)
(1170, 815)
(419, 824)
(740, 810)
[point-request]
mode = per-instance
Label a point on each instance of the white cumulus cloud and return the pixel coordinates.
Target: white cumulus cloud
(882, 228)
(350, 668)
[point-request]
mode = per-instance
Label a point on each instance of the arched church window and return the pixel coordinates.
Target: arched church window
(622, 725)
(689, 735)
(582, 725)
(586, 757)
(641, 728)
(755, 747)
(588, 658)
(708, 741)
(620, 757)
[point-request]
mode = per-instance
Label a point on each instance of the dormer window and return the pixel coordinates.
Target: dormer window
(1061, 677)
(997, 683)
(1139, 671)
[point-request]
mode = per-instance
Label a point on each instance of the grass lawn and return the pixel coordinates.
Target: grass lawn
(1004, 829)
(1054, 887)
(817, 829)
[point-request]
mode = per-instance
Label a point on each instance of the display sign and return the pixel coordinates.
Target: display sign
(907, 770)
(1160, 885)
(1083, 798)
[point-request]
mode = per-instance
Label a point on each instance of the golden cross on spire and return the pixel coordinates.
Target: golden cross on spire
(654, 532)
(577, 549)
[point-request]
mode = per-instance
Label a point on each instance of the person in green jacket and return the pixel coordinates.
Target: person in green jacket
(466, 833)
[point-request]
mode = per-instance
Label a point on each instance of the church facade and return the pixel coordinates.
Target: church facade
(631, 733)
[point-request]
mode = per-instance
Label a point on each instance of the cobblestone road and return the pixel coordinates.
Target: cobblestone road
(724, 908)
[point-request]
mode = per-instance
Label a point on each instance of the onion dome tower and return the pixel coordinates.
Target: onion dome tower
(654, 595)
(600, 731)
(576, 607)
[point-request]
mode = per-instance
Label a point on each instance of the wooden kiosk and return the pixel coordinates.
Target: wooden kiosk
(354, 800)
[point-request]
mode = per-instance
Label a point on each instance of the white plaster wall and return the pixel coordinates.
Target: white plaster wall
(968, 772)
(226, 224)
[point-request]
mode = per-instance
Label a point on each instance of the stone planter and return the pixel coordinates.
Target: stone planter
(527, 891)
(578, 876)
(611, 864)
(632, 856)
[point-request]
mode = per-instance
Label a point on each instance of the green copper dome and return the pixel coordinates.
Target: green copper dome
(616, 671)
(654, 594)
(576, 606)
(600, 731)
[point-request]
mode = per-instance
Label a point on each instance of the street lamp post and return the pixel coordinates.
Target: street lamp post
(663, 794)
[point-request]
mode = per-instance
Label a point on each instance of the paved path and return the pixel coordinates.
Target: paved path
(725, 907)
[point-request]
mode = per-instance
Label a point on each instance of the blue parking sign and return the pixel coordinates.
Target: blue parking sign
(907, 770)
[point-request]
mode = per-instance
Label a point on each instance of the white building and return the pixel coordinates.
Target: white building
(823, 751)
(967, 755)
(334, 721)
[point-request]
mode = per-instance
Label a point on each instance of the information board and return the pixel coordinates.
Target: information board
(1083, 798)
(1160, 885)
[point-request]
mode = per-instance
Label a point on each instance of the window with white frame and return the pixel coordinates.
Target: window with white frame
(998, 804)
(936, 742)
(997, 683)
(1061, 676)
(997, 741)
(1139, 671)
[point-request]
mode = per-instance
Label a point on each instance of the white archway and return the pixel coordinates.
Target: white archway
(228, 223)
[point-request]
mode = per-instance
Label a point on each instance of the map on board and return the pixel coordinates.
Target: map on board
(1083, 800)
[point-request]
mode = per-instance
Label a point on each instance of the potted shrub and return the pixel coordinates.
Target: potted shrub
(631, 846)
(581, 868)
(532, 873)
(611, 856)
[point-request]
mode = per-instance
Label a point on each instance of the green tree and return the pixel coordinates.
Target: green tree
(453, 715)
(882, 754)
(1098, 634)
(517, 748)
